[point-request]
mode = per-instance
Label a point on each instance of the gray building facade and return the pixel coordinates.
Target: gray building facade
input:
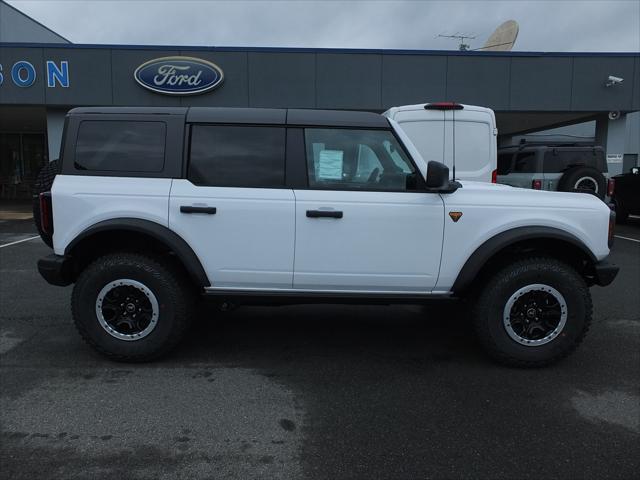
(530, 91)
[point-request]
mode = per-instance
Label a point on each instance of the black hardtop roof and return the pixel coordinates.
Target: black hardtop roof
(336, 118)
(270, 116)
(129, 110)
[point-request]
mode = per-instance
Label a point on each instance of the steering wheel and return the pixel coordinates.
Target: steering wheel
(373, 176)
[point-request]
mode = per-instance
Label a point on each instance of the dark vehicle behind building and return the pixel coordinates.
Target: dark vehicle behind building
(626, 198)
(563, 168)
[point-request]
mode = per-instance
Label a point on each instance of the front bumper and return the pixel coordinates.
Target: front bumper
(56, 269)
(604, 273)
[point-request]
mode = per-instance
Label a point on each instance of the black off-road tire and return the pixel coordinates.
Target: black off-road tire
(571, 177)
(43, 183)
(489, 303)
(173, 290)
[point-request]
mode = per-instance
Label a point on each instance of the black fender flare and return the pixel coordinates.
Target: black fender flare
(159, 232)
(489, 248)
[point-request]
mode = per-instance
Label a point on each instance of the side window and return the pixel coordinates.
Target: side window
(504, 163)
(525, 163)
(237, 156)
(396, 157)
(367, 163)
(557, 161)
(349, 159)
(111, 145)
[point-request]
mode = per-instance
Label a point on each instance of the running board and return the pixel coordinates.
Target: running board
(322, 296)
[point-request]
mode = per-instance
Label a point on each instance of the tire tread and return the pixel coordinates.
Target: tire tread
(165, 273)
(482, 299)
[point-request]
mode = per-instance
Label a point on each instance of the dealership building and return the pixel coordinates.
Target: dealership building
(591, 96)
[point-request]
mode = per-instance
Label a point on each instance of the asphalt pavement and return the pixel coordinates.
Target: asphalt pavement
(318, 392)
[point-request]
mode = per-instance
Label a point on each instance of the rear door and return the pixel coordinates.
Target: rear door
(365, 224)
(474, 150)
(425, 128)
(233, 208)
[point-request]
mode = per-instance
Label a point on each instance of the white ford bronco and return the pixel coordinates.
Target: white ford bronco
(151, 208)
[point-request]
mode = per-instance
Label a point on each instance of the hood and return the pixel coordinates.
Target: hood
(483, 185)
(495, 193)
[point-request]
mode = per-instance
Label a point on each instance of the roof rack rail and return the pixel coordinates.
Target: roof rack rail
(586, 143)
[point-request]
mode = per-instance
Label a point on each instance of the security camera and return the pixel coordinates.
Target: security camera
(614, 115)
(611, 81)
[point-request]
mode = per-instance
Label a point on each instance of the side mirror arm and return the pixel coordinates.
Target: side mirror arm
(450, 188)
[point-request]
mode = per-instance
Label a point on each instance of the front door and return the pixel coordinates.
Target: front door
(234, 210)
(365, 224)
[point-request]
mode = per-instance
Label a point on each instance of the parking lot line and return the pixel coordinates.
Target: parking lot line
(627, 238)
(19, 241)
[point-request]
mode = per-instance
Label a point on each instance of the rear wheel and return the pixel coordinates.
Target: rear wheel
(533, 312)
(131, 307)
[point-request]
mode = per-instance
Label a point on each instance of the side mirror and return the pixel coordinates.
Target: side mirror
(437, 176)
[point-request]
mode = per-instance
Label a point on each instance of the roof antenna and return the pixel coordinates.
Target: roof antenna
(463, 46)
(454, 144)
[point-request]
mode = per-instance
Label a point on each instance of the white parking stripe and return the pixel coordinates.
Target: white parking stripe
(627, 238)
(19, 241)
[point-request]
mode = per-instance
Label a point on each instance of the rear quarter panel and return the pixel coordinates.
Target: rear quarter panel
(82, 201)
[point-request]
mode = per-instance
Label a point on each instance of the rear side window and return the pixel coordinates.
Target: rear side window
(525, 163)
(237, 156)
(556, 161)
(504, 163)
(109, 145)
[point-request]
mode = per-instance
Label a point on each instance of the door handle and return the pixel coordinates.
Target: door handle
(192, 209)
(324, 213)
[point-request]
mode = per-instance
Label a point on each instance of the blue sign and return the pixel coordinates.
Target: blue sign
(178, 75)
(58, 74)
(23, 74)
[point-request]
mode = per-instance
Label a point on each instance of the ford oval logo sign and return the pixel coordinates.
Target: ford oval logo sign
(178, 75)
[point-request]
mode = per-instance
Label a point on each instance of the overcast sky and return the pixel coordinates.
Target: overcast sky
(564, 25)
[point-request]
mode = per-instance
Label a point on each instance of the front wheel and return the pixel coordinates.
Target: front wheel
(533, 312)
(131, 307)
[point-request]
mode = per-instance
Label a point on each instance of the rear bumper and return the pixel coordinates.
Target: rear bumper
(56, 270)
(605, 273)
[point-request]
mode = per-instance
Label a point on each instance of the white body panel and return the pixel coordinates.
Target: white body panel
(489, 209)
(432, 133)
(261, 239)
(81, 201)
(386, 241)
(248, 243)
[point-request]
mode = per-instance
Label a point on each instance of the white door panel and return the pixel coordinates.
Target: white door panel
(248, 242)
(385, 241)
